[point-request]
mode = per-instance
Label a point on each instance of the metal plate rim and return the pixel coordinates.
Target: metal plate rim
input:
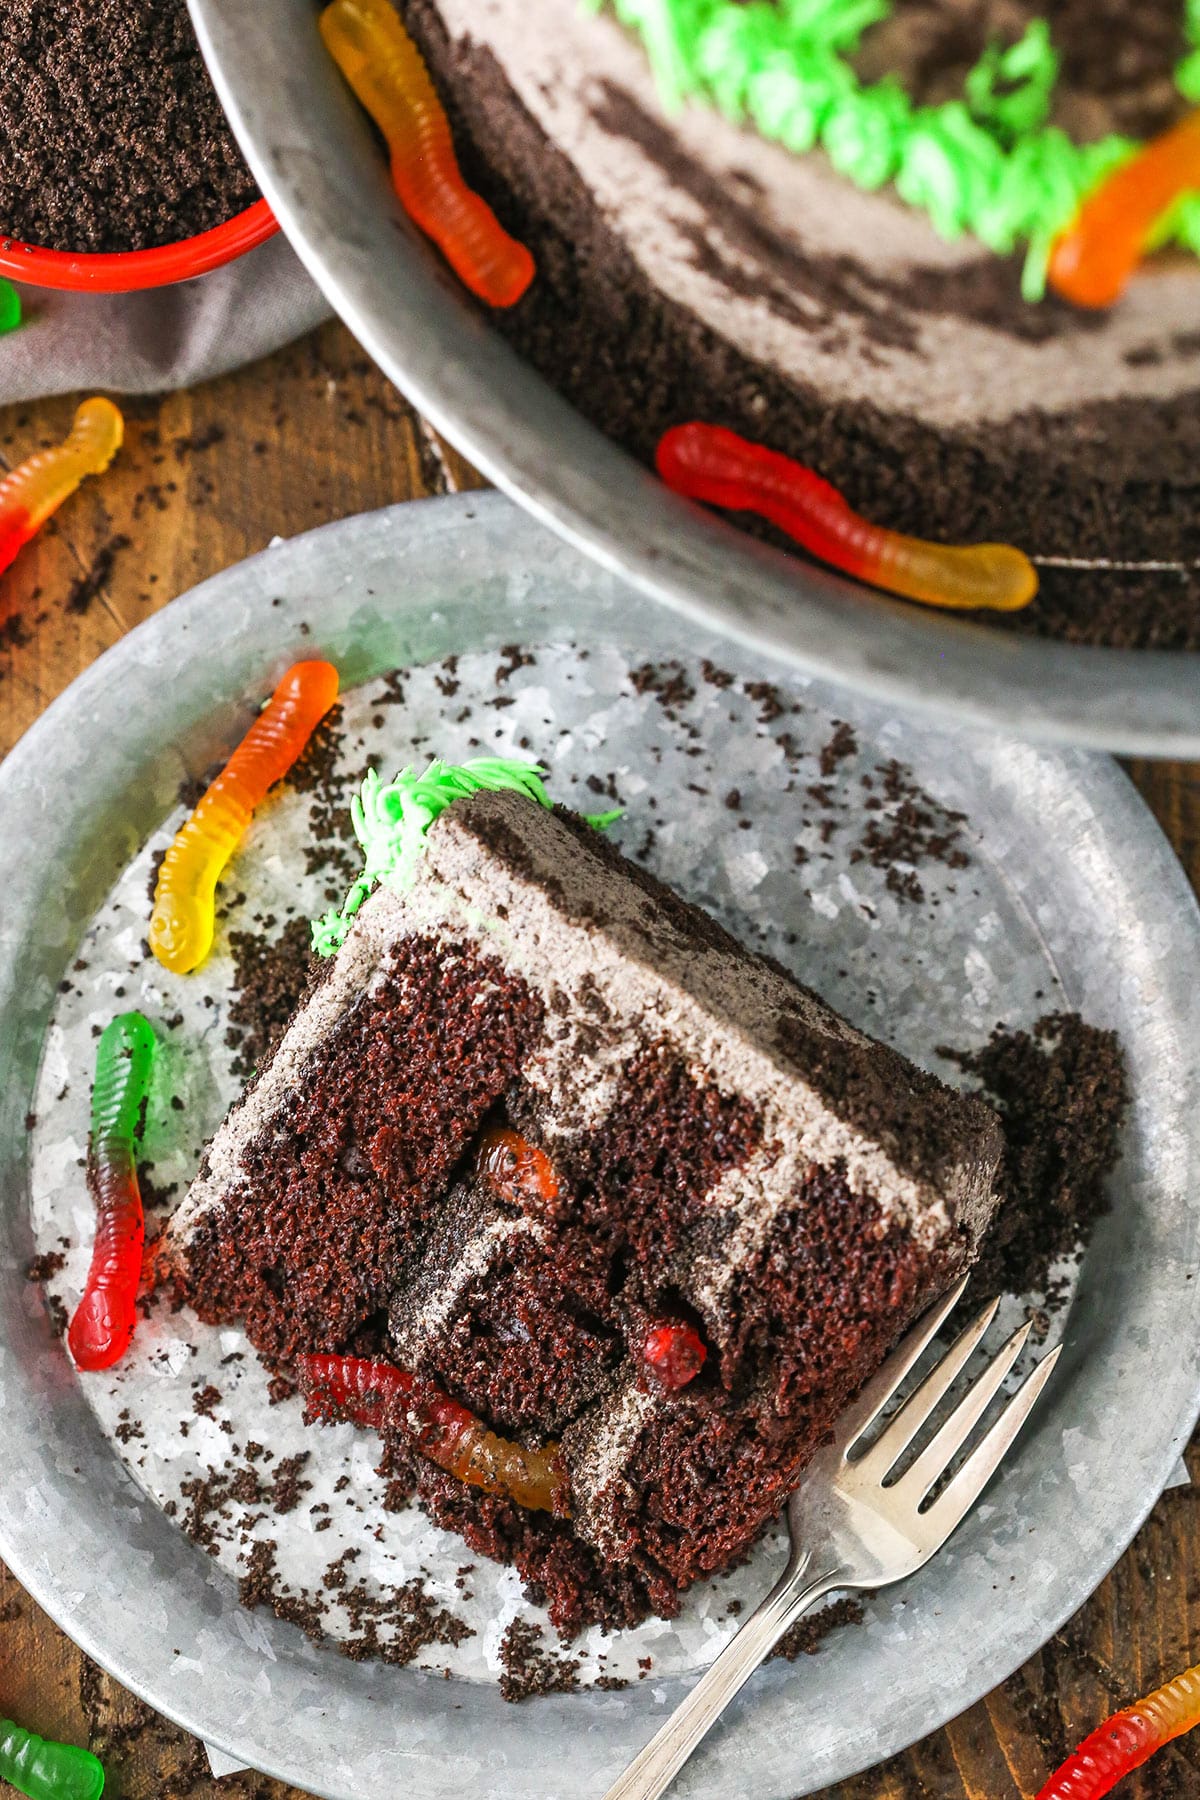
(107, 714)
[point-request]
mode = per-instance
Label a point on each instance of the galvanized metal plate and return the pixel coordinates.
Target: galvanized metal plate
(314, 156)
(1085, 889)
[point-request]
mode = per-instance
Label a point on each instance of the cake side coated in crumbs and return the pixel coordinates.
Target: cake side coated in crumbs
(727, 1164)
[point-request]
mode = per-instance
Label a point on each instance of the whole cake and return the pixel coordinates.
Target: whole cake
(599, 1218)
(784, 218)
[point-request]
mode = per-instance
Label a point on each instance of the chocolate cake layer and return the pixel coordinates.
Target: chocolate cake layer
(330, 1168)
(487, 1313)
(728, 1160)
(690, 269)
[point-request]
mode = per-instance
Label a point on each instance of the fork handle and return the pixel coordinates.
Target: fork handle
(652, 1771)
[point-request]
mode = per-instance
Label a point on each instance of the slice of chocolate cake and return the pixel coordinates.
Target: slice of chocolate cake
(590, 1182)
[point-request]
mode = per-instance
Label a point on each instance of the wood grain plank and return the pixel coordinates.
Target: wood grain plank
(210, 476)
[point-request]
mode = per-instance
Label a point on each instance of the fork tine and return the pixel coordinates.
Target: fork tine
(883, 1385)
(964, 1489)
(950, 1437)
(899, 1434)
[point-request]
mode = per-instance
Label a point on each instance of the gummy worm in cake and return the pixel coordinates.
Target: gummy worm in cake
(47, 1771)
(673, 1353)
(381, 1396)
(37, 487)
(1126, 1740)
(102, 1326)
(709, 463)
(515, 1169)
(1095, 257)
(388, 75)
(181, 925)
(522, 1175)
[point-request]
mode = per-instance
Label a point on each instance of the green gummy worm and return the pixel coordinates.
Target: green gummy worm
(10, 307)
(124, 1059)
(47, 1771)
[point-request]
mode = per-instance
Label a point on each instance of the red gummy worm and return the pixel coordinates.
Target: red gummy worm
(181, 925)
(1094, 258)
(674, 1353)
(1126, 1740)
(381, 1396)
(709, 463)
(515, 1169)
(388, 75)
(103, 1322)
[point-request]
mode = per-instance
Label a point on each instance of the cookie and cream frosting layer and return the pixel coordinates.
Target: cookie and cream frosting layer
(625, 959)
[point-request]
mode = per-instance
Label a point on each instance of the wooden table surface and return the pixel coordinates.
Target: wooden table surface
(207, 477)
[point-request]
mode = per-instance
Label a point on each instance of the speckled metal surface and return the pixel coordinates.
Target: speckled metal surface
(316, 160)
(1071, 890)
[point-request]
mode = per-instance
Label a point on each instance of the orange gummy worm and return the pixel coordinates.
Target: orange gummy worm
(1096, 255)
(516, 1169)
(709, 463)
(1126, 1740)
(181, 925)
(38, 486)
(387, 72)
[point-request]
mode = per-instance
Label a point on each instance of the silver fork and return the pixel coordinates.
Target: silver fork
(849, 1528)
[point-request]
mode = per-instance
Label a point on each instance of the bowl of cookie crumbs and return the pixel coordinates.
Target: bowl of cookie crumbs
(118, 169)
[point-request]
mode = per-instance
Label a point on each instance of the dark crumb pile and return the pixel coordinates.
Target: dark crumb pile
(842, 744)
(111, 133)
(1103, 63)
(394, 1626)
(324, 774)
(807, 1635)
(156, 1196)
(230, 1502)
(528, 1669)
(86, 587)
(269, 976)
(913, 829)
(1061, 1092)
(42, 1267)
(409, 1616)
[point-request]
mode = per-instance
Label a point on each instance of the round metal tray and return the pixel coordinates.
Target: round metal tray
(315, 159)
(1074, 877)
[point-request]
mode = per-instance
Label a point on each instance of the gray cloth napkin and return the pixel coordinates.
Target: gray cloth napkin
(164, 338)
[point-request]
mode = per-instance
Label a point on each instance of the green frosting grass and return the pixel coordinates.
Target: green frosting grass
(392, 819)
(987, 162)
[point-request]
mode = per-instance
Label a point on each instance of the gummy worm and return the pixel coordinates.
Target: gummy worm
(1095, 256)
(103, 1323)
(1126, 1740)
(37, 487)
(515, 1169)
(674, 1353)
(10, 307)
(388, 75)
(47, 1771)
(181, 925)
(380, 1396)
(706, 462)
